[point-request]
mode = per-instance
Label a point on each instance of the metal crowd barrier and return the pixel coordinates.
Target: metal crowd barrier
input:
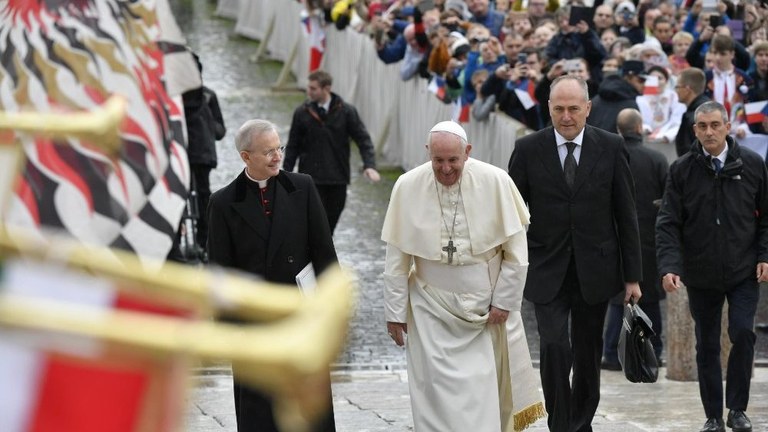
(398, 114)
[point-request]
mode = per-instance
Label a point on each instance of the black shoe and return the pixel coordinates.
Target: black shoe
(738, 421)
(713, 425)
(611, 366)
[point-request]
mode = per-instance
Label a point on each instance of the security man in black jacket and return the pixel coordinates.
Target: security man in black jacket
(712, 234)
(319, 138)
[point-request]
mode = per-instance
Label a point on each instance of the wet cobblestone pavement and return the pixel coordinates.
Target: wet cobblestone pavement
(243, 88)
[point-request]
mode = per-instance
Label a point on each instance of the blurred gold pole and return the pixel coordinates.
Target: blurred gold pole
(100, 127)
(209, 290)
(281, 357)
(288, 357)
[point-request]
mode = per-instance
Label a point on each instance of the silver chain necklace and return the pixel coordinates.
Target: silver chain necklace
(450, 248)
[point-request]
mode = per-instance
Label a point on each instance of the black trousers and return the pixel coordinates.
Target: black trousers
(334, 198)
(571, 405)
(706, 308)
(253, 410)
(202, 174)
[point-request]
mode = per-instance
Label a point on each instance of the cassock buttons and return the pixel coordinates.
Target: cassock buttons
(290, 259)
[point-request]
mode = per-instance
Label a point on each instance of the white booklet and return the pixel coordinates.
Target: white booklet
(306, 281)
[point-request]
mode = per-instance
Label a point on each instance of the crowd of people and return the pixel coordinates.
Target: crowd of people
(502, 56)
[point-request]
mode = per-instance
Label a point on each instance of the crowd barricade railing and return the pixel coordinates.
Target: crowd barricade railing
(397, 113)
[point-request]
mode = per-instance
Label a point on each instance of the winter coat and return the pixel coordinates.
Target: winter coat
(614, 94)
(205, 125)
(321, 142)
(712, 228)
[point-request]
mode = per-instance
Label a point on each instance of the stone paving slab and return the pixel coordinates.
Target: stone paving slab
(378, 401)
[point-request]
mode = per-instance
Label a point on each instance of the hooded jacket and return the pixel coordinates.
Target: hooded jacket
(613, 95)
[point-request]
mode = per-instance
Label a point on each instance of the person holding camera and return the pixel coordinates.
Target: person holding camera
(487, 57)
(711, 24)
(441, 39)
(576, 41)
(513, 87)
(603, 19)
(628, 22)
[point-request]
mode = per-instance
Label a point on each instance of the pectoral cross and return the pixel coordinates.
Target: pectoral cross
(450, 249)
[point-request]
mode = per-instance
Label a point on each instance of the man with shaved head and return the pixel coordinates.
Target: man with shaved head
(583, 246)
(649, 169)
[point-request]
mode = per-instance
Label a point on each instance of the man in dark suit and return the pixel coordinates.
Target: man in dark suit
(270, 223)
(583, 246)
(649, 169)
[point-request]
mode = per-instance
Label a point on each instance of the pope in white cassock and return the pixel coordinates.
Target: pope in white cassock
(455, 270)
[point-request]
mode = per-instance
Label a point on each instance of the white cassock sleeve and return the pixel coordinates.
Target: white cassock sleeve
(396, 269)
(508, 294)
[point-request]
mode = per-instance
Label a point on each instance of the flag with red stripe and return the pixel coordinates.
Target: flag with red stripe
(436, 86)
(70, 56)
(651, 85)
(461, 110)
(78, 384)
(312, 25)
(756, 111)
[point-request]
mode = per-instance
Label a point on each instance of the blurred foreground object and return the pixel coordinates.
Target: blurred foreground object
(98, 339)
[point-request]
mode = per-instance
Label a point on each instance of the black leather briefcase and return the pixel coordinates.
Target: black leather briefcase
(636, 355)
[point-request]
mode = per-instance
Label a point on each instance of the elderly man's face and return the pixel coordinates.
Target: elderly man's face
(447, 156)
(569, 108)
(263, 157)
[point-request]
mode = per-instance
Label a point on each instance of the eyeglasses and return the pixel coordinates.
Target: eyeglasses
(680, 86)
(270, 154)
